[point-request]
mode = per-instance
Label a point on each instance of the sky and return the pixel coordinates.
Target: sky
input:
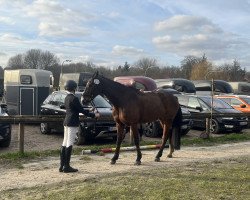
(112, 32)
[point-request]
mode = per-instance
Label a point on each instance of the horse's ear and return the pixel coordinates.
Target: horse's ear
(95, 75)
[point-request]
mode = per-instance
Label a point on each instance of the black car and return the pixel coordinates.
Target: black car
(154, 129)
(103, 127)
(5, 128)
(202, 104)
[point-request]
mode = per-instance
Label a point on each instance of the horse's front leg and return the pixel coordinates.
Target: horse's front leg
(135, 133)
(120, 136)
(166, 129)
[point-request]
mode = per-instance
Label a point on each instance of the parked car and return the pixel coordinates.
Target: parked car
(139, 82)
(5, 128)
(179, 84)
(103, 127)
(204, 87)
(239, 102)
(202, 104)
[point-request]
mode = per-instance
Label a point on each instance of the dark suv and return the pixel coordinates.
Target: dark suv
(5, 128)
(202, 104)
(103, 127)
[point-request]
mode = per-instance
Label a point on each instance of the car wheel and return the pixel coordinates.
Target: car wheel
(44, 128)
(215, 127)
(152, 129)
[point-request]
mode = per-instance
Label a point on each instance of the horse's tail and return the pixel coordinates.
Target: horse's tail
(176, 130)
(178, 118)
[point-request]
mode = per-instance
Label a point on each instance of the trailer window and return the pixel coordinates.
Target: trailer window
(26, 79)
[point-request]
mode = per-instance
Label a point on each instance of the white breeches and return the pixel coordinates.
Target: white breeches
(69, 135)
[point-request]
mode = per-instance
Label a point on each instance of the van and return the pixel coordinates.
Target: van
(26, 89)
(80, 78)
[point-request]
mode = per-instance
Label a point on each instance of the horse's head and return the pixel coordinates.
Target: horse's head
(92, 89)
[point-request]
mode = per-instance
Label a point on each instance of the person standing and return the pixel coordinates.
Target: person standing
(71, 125)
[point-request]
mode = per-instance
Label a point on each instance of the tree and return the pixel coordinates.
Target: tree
(145, 63)
(200, 69)
(16, 62)
(233, 71)
(47, 60)
(33, 59)
(126, 67)
(187, 64)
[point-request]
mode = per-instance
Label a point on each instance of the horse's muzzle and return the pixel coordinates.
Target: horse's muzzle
(85, 100)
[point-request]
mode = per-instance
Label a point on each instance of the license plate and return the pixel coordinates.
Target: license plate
(112, 128)
(243, 123)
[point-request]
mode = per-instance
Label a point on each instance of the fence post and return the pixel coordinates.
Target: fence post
(21, 138)
(207, 132)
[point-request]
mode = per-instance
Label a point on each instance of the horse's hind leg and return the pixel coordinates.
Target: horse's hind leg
(134, 130)
(171, 143)
(120, 137)
(166, 128)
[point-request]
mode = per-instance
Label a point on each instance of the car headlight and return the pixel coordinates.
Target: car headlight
(227, 118)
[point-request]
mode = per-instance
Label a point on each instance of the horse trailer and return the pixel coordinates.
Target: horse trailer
(80, 78)
(240, 87)
(26, 89)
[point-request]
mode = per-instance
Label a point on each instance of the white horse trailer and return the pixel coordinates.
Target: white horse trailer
(26, 89)
(240, 87)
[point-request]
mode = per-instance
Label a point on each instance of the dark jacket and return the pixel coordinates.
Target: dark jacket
(73, 108)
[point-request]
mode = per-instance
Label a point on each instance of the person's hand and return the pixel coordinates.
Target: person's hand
(97, 115)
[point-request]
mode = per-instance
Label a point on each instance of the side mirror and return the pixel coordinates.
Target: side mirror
(4, 107)
(199, 108)
(62, 106)
(243, 105)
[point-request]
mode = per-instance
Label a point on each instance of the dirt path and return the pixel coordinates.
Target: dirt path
(43, 172)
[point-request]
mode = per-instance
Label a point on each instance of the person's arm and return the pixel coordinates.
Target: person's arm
(81, 109)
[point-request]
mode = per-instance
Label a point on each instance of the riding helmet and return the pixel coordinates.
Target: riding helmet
(70, 85)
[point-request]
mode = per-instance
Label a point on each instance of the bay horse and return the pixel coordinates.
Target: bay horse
(132, 107)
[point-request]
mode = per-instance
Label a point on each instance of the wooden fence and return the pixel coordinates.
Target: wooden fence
(30, 119)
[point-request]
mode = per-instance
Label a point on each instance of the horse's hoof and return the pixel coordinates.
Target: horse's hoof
(170, 156)
(157, 159)
(137, 162)
(112, 162)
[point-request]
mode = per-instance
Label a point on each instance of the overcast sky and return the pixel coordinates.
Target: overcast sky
(111, 32)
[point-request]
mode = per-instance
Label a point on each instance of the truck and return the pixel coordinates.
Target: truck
(26, 89)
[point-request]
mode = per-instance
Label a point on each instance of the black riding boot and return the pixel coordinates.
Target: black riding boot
(67, 168)
(62, 158)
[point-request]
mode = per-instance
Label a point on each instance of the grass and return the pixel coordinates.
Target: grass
(227, 179)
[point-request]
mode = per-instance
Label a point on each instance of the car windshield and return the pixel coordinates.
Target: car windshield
(98, 101)
(217, 103)
(246, 99)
